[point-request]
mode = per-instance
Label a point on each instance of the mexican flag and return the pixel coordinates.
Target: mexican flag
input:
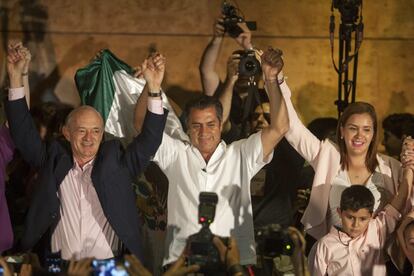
(108, 84)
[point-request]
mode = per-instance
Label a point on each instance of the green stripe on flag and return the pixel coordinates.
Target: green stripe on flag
(95, 81)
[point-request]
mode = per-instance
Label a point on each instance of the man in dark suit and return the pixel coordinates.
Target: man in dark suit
(84, 205)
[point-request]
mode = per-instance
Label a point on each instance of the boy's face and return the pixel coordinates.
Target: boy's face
(355, 223)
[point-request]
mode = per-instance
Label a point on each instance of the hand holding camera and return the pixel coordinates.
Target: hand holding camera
(229, 254)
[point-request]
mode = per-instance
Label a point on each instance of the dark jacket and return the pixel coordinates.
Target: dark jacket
(113, 172)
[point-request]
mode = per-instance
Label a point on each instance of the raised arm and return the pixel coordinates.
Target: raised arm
(209, 77)
(226, 95)
(272, 65)
(145, 145)
(22, 128)
(152, 70)
(404, 190)
(17, 52)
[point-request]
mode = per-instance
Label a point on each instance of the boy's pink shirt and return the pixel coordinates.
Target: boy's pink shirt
(338, 254)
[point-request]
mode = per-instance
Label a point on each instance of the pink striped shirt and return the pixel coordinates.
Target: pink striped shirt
(83, 230)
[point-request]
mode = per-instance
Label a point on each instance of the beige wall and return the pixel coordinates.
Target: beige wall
(76, 29)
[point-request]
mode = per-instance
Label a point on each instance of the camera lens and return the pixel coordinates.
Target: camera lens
(250, 66)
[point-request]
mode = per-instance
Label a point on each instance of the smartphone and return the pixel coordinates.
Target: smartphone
(54, 264)
(109, 267)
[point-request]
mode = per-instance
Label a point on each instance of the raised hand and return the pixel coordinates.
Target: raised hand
(245, 38)
(272, 64)
(233, 67)
(153, 69)
(16, 59)
(218, 30)
(27, 58)
(407, 153)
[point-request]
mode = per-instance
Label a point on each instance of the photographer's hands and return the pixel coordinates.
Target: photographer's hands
(245, 38)
(229, 255)
(179, 268)
(80, 268)
(7, 271)
(135, 266)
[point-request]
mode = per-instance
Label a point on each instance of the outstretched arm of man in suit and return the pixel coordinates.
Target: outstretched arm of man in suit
(22, 127)
(145, 145)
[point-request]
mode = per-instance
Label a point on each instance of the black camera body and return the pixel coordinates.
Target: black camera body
(202, 251)
(249, 65)
(231, 18)
(272, 240)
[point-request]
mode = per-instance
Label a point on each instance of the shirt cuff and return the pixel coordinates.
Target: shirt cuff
(391, 211)
(155, 106)
(16, 93)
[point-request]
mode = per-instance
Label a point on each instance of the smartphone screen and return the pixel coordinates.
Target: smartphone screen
(54, 265)
(108, 267)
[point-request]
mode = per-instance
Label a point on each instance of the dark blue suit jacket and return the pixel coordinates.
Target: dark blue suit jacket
(113, 172)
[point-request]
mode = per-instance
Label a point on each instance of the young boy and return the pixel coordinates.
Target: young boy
(357, 248)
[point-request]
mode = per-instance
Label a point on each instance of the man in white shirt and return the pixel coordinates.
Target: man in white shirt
(208, 164)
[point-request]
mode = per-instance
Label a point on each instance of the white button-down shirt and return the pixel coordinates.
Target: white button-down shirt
(83, 230)
(228, 173)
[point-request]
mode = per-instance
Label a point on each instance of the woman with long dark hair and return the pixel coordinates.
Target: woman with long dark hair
(352, 159)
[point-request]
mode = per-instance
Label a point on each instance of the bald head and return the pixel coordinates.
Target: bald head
(84, 130)
(83, 111)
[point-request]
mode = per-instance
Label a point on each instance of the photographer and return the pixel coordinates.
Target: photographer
(209, 76)
(211, 83)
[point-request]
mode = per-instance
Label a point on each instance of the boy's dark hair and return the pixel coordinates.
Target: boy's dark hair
(204, 102)
(357, 197)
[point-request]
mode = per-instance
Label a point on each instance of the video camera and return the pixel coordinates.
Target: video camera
(202, 251)
(272, 240)
(231, 18)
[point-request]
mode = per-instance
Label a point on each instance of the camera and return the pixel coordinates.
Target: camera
(272, 240)
(231, 18)
(249, 65)
(202, 251)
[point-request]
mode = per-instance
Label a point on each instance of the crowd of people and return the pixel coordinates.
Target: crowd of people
(74, 199)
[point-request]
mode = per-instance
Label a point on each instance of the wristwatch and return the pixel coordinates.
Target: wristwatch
(154, 94)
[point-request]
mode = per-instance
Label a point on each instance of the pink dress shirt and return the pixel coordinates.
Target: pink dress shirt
(83, 230)
(338, 254)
